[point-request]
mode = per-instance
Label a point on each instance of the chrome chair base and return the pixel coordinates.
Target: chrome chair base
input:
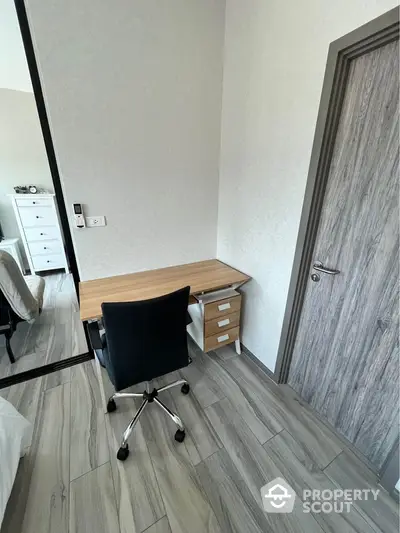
(148, 397)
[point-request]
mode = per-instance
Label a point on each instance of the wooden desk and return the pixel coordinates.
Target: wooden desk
(203, 277)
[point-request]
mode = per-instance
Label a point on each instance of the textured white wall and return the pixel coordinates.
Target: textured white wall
(133, 92)
(14, 73)
(275, 56)
(23, 159)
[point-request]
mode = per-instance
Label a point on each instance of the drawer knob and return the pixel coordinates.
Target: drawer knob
(48, 261)
(37, 216)
(34, 203)
(42, 234)
(222, 307)
(44, 247)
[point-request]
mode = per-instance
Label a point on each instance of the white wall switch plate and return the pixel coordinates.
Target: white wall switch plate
(92, 222)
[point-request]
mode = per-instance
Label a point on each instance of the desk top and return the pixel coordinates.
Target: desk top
(203, 276)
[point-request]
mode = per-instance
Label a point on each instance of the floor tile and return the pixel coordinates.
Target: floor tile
(301, 473)
(93, 507)
(255, 466)
(201, 440)
(313, 436)
(186, 504)
(347, 472)
(139, 501)
(233, 503)
(89, 445)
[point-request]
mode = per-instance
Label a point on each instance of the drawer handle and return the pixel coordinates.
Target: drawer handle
(223, 323)
(223, 338)
(222, 307)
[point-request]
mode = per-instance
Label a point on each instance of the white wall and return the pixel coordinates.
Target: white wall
(23, 159)
(133, 92)
(14, 73)
(275, 56)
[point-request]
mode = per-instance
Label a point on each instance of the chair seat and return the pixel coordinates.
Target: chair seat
(24, 294)
(36, 285)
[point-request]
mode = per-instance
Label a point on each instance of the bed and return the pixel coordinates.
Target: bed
(15, 436)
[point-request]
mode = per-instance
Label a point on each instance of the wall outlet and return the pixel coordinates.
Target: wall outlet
(92, 222)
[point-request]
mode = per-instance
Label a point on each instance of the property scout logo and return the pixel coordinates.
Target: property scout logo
(279, 497)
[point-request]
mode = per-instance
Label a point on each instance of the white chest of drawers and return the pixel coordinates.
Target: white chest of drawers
(38, 222)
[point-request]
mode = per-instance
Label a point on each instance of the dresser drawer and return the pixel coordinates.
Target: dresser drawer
(41, 234)
(222, 307)
(38, 216)
(221, 324)
(48, 262)
(45, 248)
(220, 339)
(30, 202)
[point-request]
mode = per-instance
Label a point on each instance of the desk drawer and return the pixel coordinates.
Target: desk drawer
(48, 262)
(221, 324)
(45, 248)
(38, 216)
(222, 307)
(220, 339)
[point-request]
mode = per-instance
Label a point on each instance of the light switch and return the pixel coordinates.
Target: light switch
(92, 222)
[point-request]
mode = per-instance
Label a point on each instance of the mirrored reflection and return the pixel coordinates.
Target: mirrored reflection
(39, 315)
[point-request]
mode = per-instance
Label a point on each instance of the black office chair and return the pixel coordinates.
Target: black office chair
(143, 341)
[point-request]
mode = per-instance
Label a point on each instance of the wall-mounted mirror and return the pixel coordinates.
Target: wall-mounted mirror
(39, 313)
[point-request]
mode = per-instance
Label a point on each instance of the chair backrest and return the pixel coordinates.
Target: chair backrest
(146, 339)
(15, 290)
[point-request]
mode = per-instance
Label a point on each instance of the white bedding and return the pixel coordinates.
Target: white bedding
(15, 435)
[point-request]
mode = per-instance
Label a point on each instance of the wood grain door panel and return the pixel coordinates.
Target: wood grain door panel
(345, 359)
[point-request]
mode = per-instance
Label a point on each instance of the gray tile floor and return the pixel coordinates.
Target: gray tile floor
(57, 334)
(242, 432)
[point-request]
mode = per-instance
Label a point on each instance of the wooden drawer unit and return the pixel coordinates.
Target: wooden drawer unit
(223, 307)
(220, 339)
(211, 327)
(216, 319)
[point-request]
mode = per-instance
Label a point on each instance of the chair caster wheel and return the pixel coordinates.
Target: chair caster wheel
(185, 388)
(180, 435)
(123, 453)
(111, 406)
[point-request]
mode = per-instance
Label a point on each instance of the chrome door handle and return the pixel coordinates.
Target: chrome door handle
(320, 267)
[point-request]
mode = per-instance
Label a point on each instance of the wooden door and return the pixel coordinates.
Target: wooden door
(346, 360)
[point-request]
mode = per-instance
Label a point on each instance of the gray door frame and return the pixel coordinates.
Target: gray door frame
(390, 473)
(368, 37)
